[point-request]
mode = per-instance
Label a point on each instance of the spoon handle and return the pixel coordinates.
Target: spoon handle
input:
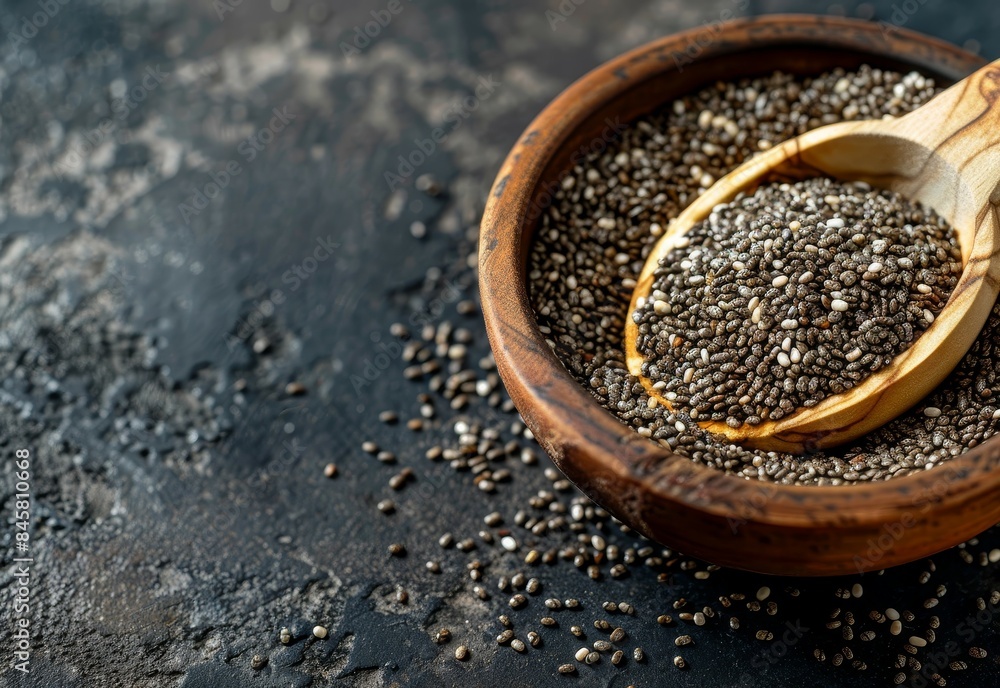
(959, 131)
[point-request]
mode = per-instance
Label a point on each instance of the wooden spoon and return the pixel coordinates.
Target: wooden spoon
(946, 155)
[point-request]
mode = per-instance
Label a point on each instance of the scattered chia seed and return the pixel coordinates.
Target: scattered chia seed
(398, 481)
(493, 519)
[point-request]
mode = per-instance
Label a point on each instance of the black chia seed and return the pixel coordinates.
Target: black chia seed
(789, 295)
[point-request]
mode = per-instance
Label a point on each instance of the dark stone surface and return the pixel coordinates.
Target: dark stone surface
(180, 517)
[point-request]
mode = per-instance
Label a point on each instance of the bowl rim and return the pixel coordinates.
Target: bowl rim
(543, 388)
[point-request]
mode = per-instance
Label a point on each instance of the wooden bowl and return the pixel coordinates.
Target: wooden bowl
(791, 530)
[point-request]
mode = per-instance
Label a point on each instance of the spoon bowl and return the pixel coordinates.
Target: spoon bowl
(945, 155)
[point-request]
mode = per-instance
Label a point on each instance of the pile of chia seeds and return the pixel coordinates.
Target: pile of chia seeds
(789, 295)
(611, 209)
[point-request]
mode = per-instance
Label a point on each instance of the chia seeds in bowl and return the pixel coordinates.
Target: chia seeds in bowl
(789, 295)
(610, 210)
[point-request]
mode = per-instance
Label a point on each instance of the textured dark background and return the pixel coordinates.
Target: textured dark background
(180, 513)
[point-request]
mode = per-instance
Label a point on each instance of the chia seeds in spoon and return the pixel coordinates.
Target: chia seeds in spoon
(792, 294)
